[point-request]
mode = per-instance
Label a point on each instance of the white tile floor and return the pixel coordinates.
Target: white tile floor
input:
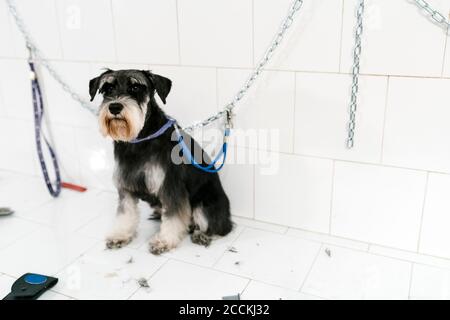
(63, 237)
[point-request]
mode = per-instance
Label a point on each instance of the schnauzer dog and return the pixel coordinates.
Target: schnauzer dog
(187, 199)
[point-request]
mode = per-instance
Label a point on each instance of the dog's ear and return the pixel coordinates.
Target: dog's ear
(95, 83)
(162, 84)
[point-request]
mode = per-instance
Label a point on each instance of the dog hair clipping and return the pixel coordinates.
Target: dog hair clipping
(6, 211)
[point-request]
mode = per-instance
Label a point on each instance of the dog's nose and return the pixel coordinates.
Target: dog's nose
(115, 108)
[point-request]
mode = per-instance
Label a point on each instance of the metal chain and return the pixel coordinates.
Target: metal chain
(39, 58)
(435, 15)
(287, 22)
(355, 74)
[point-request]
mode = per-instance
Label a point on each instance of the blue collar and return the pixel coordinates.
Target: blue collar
(170, 122)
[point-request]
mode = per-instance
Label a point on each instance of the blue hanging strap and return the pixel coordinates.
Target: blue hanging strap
(211, 167)
(38, 106)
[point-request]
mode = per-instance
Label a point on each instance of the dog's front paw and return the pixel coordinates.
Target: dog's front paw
(116, 241)
(158, 246)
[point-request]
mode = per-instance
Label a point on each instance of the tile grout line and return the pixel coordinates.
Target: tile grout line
(246, 286)
(113, 22)
(310, 269)
(254, 191)
(150, 277)
(253, 33)
(424, 255)
(233, 68)
(410, 280)
(263, 228)
(330, 218)
(281, 287)
(178, 32)
(225, 251)
(419, 254)
(445, 52)
(425, 194)
(217, 90)
(62, 294)
(274, 232)
(95, 243)
(366, 163)
(336, 237)
(367, 251)
(342, 36)
(13, 242)
(294, 113)
(59, 27)
(404, 259)
(211, 268)
(383, 133)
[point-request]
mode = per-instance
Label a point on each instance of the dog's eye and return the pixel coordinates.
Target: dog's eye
(135, 88)
(107, 89)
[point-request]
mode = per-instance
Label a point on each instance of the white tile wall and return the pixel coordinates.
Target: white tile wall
(377, 204)
(417, 130)
(46, 34)
(321, 116)
(298, 194)
(207, 48)
(87, 31)
(435, 237)
(215, 32)
(193, 94)
(7, 49)
(64, 141)
(16, 89)
(95, 154)
(146, 31)
(62, 109)
(311, 46)
(18, 151)
(268, 107)
(430, 283)
(241, 194)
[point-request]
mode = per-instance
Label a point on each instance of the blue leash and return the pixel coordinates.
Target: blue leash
(211, 167)
(38, 106)
(170, 122)
(186, 152)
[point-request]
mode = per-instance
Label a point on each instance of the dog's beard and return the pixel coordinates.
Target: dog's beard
(127, 125)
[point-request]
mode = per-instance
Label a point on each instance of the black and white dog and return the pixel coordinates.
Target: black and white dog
(188, 199)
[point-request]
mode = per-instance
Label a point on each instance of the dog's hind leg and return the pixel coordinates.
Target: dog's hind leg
(212, 215)
(199, 234)
(174, 227)
(127, 219)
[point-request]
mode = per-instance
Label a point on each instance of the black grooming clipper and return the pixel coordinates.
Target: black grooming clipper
(30, 286)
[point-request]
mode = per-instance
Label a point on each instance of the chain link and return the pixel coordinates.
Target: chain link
(355, 74)
(435, 15)
(39, 58)
(287, 22)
